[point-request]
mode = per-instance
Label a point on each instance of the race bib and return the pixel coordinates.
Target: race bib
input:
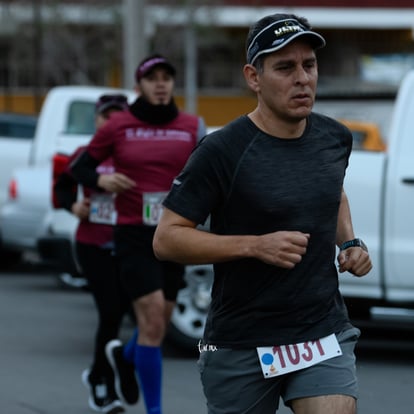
(152, 207)
(102, 209)
(281, 359)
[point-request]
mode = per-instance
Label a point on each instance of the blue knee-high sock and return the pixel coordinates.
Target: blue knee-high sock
(129, 347)
(148, 365)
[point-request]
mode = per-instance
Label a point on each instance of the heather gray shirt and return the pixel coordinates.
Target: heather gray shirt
(254, 183)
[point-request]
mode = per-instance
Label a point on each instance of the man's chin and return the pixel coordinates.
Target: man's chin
(161, 101)
(300, 115)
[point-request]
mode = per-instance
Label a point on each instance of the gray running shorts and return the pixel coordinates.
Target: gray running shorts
(233, 382)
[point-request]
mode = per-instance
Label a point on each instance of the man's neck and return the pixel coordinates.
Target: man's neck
(281, 128)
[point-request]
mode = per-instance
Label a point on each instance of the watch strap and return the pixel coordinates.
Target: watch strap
(353, 243)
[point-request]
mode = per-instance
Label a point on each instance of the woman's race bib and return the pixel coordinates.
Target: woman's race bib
(152, 207)
(102, 209)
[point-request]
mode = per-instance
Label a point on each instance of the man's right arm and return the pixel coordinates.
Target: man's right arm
(83, 169)
(177, 239)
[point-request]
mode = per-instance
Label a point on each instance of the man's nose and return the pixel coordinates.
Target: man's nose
(301, 75)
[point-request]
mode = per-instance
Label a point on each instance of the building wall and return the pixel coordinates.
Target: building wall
(312, 3)
(222, 91)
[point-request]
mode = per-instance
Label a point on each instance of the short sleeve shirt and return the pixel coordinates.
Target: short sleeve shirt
(254, 183)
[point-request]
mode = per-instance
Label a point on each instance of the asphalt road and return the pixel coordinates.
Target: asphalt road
(46, 335)
(46, 341)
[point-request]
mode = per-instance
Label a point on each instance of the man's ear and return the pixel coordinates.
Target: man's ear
(250, 74)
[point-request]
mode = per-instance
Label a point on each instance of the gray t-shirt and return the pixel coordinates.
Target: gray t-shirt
(254, 183)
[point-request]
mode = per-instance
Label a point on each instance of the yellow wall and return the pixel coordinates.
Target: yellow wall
(25, 104)
(216, 110)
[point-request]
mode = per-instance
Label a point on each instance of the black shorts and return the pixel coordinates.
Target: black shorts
(140, 271)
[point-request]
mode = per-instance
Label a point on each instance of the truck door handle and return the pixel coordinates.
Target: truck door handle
(408, 180)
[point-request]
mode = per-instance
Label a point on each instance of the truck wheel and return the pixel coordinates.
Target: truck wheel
(189, 316)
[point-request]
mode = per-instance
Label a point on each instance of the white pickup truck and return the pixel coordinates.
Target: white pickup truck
(66, 121)
(380, 187)
(379, 184)
(16, 137)
(29, 221)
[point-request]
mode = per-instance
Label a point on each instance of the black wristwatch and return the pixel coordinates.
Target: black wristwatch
(354, 243)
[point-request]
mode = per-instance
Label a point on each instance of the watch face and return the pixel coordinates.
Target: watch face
(363, 245)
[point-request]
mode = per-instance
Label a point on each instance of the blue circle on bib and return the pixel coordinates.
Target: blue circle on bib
(267, 359)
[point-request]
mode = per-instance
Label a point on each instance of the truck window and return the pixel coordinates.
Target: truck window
(81, 118)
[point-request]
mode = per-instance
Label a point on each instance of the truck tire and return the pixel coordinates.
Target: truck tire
(190, 313)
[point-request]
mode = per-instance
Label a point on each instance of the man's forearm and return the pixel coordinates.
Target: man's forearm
(345, 230)
(192, 246)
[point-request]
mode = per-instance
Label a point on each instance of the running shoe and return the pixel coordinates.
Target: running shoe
(126, 384)
(99, 398)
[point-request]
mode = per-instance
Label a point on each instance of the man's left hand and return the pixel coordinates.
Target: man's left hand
(354, 260)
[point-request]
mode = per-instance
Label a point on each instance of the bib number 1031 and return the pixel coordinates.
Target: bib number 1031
(281, 359)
